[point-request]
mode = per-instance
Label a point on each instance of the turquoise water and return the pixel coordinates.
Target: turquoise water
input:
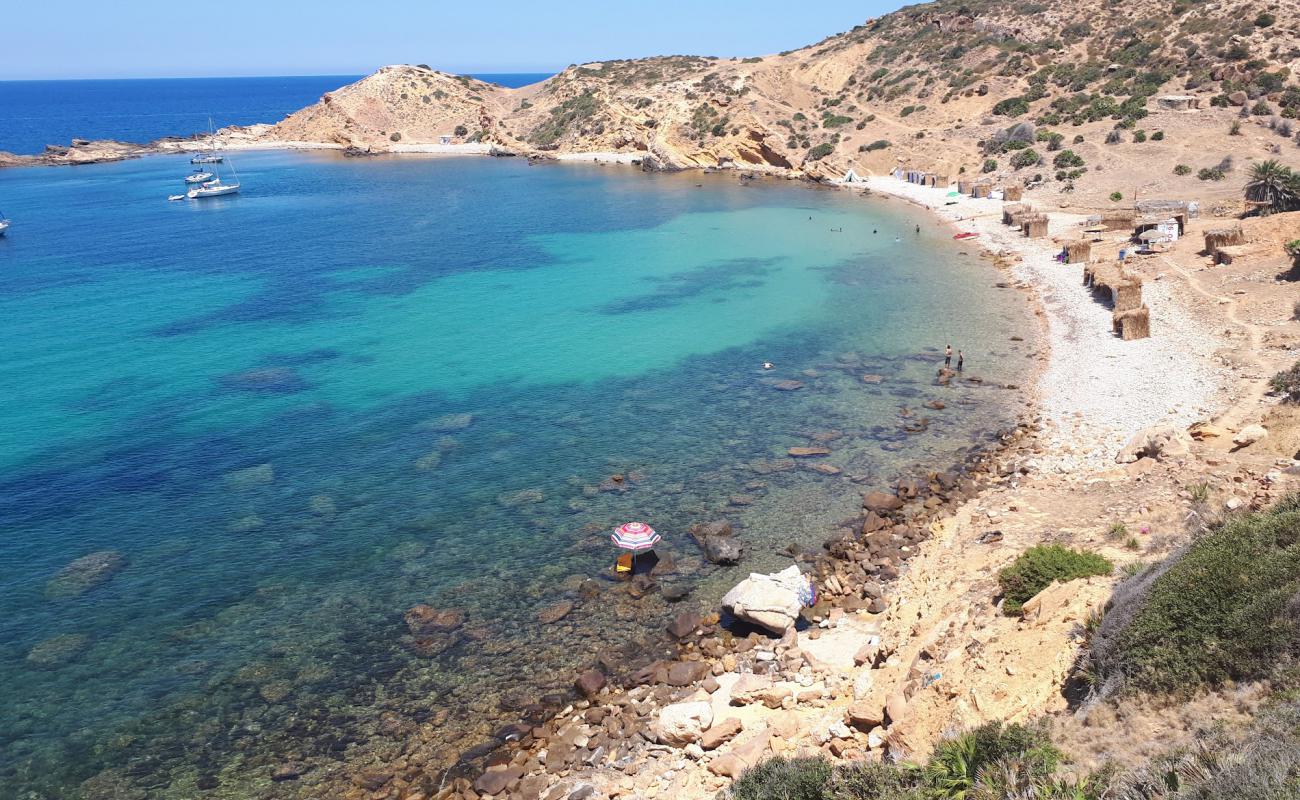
(361, 385)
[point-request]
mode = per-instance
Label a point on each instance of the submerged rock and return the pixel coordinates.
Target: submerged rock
(85, 573)
(425, 620)
(521, 498)
(808, 452)
(58, 650)
(248, 478)
(555, 612)
(265, 380)
(448, 423)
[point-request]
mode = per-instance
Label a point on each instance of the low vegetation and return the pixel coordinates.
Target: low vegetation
(1039, 567)
(1223, 608)
(1287, 382)
(991, 761)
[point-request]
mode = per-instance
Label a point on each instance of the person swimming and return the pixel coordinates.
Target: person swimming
(768, 365)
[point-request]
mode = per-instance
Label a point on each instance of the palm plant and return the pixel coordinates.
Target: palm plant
(1273, 186)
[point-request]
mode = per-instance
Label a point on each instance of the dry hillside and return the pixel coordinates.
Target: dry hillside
(1066, 93)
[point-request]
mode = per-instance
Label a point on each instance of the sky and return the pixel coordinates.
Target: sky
(149, 39)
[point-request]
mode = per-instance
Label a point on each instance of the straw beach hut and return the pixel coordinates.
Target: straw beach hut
(1132, 324)
(1079, 252)
(1013, 192)
(1035, 226)
(1216, 238)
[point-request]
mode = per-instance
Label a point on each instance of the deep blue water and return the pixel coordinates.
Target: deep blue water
(36, 113)
(287, 416)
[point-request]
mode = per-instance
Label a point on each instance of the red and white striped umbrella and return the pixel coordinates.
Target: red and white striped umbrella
(635, 536)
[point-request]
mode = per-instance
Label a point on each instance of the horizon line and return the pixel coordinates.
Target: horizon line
(282, 75)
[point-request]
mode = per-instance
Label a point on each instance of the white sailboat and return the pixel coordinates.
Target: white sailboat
(199, 176)
(4, 225)
(210, 157)
(211, 184)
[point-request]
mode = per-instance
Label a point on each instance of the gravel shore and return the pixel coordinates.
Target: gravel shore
(1097, 390)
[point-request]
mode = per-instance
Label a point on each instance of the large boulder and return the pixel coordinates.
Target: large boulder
(769, 601)
(85, 573)
(681, 724)
(881, 502)
(1158, 442)
(716, 542)
(1249, 435)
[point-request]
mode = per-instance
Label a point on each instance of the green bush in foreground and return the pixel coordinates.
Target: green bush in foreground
(1287, 382)
(1038, 567)
(1227, 607)
(991, 762)
(786, 779)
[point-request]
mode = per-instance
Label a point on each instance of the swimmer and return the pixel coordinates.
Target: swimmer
(767, 365)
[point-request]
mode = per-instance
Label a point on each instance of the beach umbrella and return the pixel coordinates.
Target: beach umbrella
(954, 194)
(634, 536)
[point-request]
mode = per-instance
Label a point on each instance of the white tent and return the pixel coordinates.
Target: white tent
(852, 177)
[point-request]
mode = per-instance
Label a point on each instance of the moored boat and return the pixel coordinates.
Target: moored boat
(207, 159)
(4, 226)
(213, 188)
(199, 177)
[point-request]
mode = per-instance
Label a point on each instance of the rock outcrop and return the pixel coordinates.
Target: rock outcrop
(770, 601)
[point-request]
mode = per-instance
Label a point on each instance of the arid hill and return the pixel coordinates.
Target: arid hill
(1056, 91)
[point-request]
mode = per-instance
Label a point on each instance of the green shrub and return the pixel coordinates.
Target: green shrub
(1182, 169)
(461, 130)
(1210, 174)
(1287, 382)
(990, 165)
(1067, 159)
(1261, 109)
(1139, 136)
(835, 121)
(821, 151)
(1223, 608)
(1264, 19)
(879, 144)
(1011, 107)
(1038, 567)
(1158, 136)
(1115, 197)
(1025, 158)
(784, 779)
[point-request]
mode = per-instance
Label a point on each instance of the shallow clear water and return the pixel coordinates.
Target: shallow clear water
(247, 399)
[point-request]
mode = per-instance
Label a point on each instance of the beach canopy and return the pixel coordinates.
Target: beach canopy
(954, 194)
(634, 536)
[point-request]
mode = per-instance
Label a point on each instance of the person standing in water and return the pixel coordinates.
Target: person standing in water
(918, 230)
(961, 360)
(947, 355)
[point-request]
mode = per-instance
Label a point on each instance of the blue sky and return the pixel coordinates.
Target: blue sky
(149, 38)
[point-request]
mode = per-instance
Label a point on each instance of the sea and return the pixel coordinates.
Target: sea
(34, 114)
(241, 437)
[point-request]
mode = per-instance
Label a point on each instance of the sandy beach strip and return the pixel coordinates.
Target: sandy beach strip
(1097, 390)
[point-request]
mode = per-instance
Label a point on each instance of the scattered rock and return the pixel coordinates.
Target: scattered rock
(881, 503)
(288, 771)
(1249, 435)
(808, 452)
(425, 620)
(555, 612)
(496, 781)
(682, 723)
(1158, 442)
(683, 625)
(590, 683)
(787, 386)
(720, 733)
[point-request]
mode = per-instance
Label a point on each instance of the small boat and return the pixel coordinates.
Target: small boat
(213, 188)
(174, 197)
(211, 156)
(199, 177)
(967, 235)
(4, 226)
